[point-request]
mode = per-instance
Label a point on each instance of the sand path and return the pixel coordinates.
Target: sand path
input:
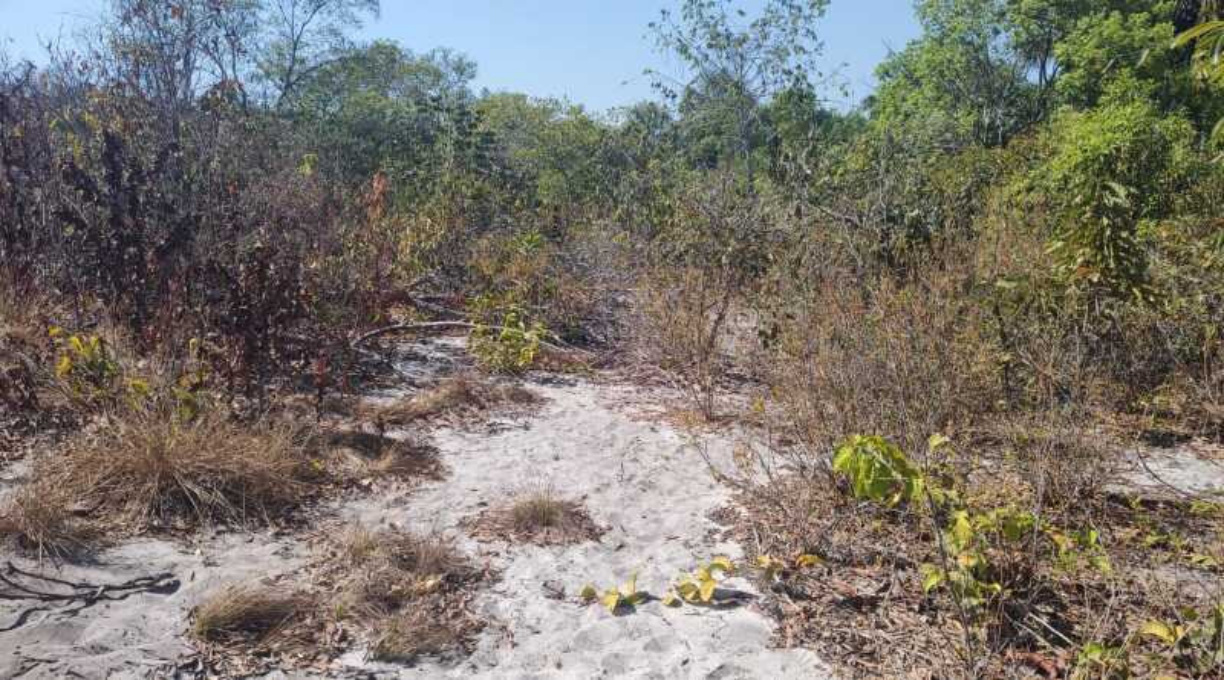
(640, 478)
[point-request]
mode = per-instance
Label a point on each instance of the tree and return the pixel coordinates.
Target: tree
(381, 108)
(304, 35)
(1112, 45)
(734, 65)
(1116, 166)
(171, 52)
(553, 147)
(1206, 37)
(964, 82)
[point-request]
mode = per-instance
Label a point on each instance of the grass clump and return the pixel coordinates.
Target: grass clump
(149, 468)
(404, 637)
(404, 594)
(539, 517)
(458, 396)
(246, 613)
(386, 570)
(37, 519)
(382, 456)
(407, 593)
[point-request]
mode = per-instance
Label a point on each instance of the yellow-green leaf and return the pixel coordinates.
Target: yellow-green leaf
(806, 561)
(630, 587)
(932, 576)
(722, 563)
(1161, 631)
(611, 600)
(589, 593)
(64, 366)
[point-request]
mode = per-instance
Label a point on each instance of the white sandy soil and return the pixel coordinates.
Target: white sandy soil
(641, 479)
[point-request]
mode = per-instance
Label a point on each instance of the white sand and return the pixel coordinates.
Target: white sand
(642, 480)
(650, 487)
(1176, 472)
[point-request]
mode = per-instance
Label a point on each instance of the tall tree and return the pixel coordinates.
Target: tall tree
(735, 64)
(303, 35)
(173, 51)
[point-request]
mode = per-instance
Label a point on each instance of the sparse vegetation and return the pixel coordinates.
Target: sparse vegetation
(367, 454)
(402, 594)
(454, 397)
(408, 593)
(955, 309)
(38, 519)
(537, 516)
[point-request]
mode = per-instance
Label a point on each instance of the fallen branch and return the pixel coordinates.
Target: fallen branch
(558, 344)
(58, 592)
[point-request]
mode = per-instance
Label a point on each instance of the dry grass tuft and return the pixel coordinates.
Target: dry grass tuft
(458, 396)
(386, 570)
(38, 520)
(148, 468)
(246, 613)
(405, 594)
(409, 593)
(382, 456)
(538, 517)
(416, 632)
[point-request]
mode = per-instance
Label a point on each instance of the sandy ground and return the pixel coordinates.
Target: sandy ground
(642, 480)
(1175, 472)
(650, 487)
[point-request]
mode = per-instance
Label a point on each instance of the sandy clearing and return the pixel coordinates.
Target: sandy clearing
(141, 636)
(642, 480)
(650, 487)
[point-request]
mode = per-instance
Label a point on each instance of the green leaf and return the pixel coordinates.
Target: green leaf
(961, 533)
(589, 593)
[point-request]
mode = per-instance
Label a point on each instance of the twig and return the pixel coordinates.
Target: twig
(560, 345)
(1139, 455)
(82, 594)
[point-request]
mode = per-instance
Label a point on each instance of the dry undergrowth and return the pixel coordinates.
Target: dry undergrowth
(410, 594)
(147, 469)
(37, 519)
(866, 611)
(367, 455)
(538, 517)
(247, 613)
(456, 397)
(403, 595)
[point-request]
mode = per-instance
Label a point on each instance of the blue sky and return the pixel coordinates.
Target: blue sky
(592, 52)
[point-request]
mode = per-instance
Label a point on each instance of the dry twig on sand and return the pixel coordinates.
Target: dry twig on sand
(21, 585)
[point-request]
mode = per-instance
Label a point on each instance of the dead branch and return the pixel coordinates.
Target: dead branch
(21, 585)
(557, 344)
